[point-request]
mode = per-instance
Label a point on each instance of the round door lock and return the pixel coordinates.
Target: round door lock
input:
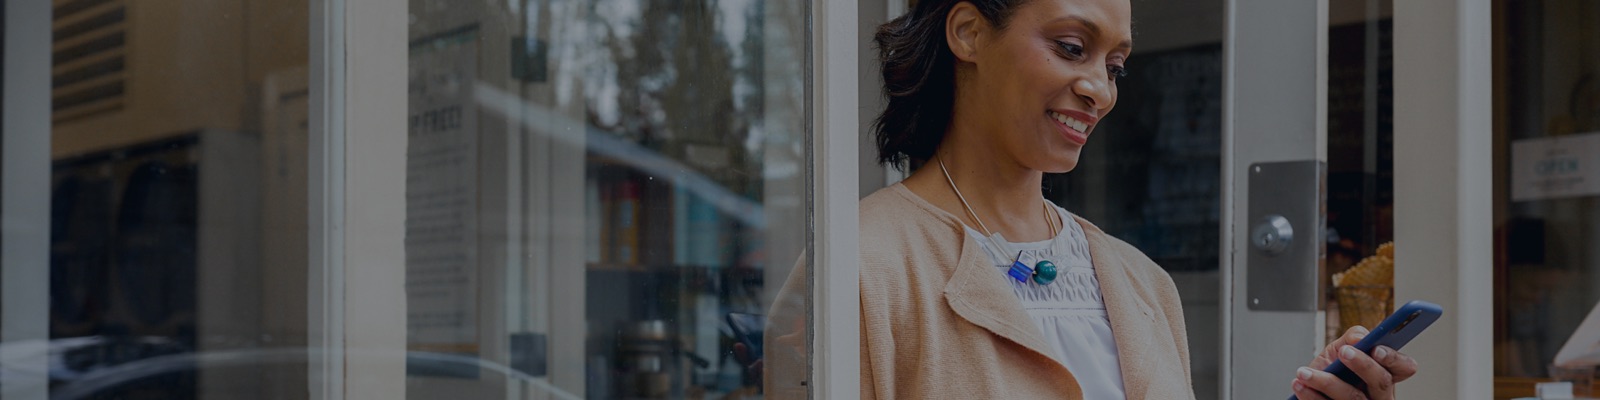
(1272, 235)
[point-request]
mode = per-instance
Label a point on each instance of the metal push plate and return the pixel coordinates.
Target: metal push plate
(1285, 235)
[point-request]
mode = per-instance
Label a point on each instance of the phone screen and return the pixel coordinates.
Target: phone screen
(748, 329)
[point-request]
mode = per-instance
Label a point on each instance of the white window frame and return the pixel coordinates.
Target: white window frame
(1443, 194)
(836, 172)
(25, 209)
(325, 196)
(357, 179)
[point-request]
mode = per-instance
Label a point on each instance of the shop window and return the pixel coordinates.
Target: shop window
(178, 229)
(609, 198)
(1547, 261)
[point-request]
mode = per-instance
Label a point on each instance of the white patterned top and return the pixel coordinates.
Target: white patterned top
(1069, 311)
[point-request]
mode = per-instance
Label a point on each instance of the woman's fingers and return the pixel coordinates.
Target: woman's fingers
(1354, 335)
(1301, 392)
(1327, 385)
(1380, 370)
(1399, 364)
(1330, 353)
(1380, 383)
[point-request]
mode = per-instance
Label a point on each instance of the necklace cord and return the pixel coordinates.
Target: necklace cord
(1050, 221)
(963, 198)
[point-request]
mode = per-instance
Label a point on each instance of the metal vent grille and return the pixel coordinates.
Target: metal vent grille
(88, 58)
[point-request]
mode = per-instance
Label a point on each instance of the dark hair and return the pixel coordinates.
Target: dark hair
(919, 78)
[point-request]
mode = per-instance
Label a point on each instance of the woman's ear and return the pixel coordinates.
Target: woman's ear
(961, 29)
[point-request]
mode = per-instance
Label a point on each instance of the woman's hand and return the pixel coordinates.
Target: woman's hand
(1380, 371)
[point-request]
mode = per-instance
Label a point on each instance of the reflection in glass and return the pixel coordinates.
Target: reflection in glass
(600, 192)
(178, 199)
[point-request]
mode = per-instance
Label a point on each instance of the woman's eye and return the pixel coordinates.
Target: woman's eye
(1116, 71)
(1071, 51)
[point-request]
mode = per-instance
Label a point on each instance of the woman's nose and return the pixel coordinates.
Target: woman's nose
(1096, 91)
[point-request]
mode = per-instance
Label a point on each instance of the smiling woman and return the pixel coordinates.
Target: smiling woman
(996, 94)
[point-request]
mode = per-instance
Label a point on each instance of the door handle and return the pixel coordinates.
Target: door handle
(1272, 235)
(1284, 267)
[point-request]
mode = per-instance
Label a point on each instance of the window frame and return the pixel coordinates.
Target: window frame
(835, 126)
(25, 201)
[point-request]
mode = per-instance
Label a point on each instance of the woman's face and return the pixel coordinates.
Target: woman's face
(1037, 88)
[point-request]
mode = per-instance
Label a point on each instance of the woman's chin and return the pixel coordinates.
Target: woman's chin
(1060, 166)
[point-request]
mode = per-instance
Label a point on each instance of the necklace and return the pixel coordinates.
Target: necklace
(1042, 272)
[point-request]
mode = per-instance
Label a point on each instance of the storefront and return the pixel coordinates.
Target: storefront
(605, 199)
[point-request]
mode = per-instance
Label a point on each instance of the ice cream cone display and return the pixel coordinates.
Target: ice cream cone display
(1366, 291)
(1375, 270)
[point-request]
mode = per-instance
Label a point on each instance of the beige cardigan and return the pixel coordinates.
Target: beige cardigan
(936, 322)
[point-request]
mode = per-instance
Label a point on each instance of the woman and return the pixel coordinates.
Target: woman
(972, 284)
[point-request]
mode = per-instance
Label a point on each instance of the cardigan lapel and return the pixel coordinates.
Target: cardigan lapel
(1130, 320)
(979, 296)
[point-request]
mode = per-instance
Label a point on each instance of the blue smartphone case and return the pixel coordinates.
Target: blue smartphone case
(748, 328)
(1395, 331)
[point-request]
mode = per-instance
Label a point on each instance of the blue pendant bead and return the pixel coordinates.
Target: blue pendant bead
(1044, 272)
(1020, 272)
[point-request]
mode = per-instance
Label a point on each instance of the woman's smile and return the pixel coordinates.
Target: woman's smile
(1073, 125)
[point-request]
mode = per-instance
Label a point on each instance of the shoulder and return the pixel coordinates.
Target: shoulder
(894, 213)
(898, 229)
(1129, 257)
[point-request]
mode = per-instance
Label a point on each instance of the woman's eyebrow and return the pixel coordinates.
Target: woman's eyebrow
(1087, 24)
(1094, 29)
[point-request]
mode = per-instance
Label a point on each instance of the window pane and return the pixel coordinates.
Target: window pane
(1547, 267)
(1360, 202)
(178, 194)
(607, 199)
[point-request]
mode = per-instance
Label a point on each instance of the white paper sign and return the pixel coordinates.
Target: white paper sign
(441, 197)
(1583, 347)
(1555, 167)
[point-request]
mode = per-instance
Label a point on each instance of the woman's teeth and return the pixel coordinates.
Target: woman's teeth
(1069, 121)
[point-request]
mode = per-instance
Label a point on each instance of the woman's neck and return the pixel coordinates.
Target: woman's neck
(1004, 194)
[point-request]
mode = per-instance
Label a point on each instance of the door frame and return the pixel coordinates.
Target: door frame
(1443, 189)
(835, 129)
(25, 205)
(357, 190)
(1274, 109)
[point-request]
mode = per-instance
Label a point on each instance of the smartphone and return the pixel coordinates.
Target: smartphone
(748, 328)
(1395, 331)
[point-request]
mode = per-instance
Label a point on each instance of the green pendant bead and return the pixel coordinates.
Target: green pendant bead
(1044, 272)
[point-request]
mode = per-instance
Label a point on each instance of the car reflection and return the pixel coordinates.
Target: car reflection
(71, 359)
(98, 366)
